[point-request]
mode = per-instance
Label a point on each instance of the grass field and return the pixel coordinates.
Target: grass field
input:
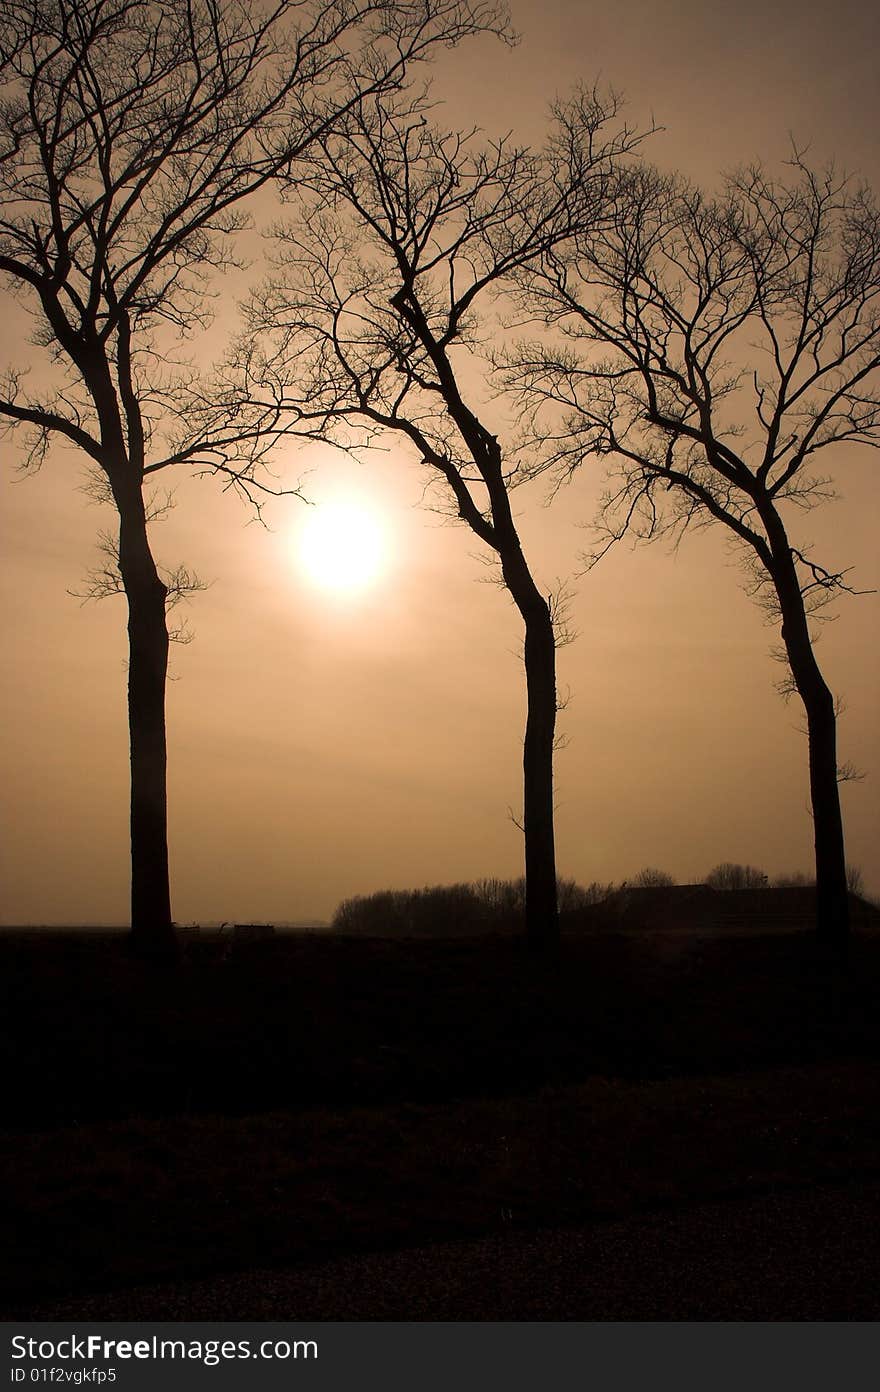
(313, 1094)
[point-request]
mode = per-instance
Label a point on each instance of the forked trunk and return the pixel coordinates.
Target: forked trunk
(542, 908)
(832, 895)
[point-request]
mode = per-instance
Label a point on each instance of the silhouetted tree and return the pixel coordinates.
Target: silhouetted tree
(855, 880)
(488, 906)
(131, 135)
(711, 348)
(376, 322)
(649, 878)
(729, 875)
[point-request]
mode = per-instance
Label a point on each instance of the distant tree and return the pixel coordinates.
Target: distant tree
(855, 880)
(795, 879)
(378, 317)
(488, 906)
(649, 878)
(731, 876)
(574, 897)
(132, 134)
(437, 911)
(710, 350)
(503, 900)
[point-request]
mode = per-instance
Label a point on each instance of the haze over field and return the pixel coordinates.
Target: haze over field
(329, 739)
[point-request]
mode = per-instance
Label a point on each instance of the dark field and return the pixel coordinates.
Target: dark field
(281, 1102)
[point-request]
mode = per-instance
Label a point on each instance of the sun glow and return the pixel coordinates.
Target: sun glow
(343, 546)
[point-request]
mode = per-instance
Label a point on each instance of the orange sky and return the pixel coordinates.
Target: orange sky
(320, 747)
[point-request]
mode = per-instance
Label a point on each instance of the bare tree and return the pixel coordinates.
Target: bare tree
(379, 314)
(855, 880)
(709, 350)
(794, 879)
(132, 134)
(729, 875)
(650, 878)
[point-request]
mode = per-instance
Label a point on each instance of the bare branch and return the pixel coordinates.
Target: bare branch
(704, 350)
(377, 320)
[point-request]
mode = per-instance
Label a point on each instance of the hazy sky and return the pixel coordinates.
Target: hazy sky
(322, 745)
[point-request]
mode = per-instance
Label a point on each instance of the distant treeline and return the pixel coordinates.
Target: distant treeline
(486, 906)
(498, 906)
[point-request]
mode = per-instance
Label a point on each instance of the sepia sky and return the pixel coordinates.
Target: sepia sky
(327, 743)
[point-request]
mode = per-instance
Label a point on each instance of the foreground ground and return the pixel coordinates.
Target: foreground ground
(799, 1255)
(687, 1106)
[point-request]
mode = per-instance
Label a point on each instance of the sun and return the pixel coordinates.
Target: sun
(343, 546)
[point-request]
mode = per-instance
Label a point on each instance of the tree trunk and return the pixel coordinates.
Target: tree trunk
(152, 929)
(832, 895)
(542, 907)
(542, 911)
